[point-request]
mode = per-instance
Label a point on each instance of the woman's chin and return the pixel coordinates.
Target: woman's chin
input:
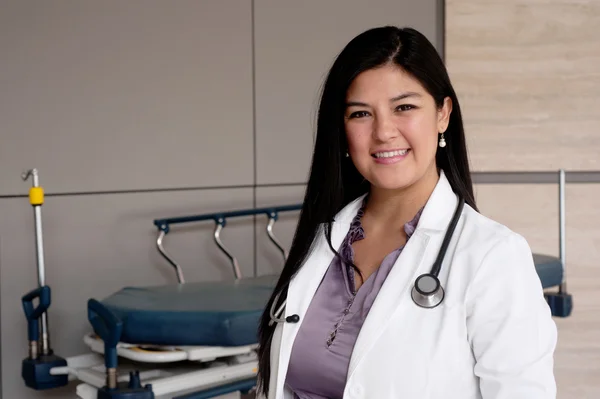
(401, 180)
(394, 184)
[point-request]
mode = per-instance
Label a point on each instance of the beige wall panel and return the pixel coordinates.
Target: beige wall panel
(96, 245)
(532, 210)
(296, 43)
(123, 95)
(269, 258)
(527, 74)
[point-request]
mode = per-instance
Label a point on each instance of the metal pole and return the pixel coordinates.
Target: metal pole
(111, 378)
(562, 229)
(39, 247)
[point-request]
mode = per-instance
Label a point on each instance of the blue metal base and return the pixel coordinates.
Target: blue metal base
(243, 386)
(126, 393)
(133, 390)
(561, 305)
(36, 373)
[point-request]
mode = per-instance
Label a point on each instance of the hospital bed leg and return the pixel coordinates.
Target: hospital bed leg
(561, 303)
(35, 369)
(109, 328)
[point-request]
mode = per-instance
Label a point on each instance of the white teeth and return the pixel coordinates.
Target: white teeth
(389, 154)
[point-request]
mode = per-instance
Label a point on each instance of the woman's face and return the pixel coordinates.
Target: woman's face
(392, 125)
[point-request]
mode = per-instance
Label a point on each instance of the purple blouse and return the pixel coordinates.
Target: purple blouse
(324, 343)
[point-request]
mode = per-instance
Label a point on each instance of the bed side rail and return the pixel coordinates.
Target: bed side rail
(220, 220)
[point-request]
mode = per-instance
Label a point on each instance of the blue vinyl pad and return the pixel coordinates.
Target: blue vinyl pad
(224, 313)
(549, 270)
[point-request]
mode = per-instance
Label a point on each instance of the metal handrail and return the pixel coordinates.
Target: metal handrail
(535, 177)
(220, 219)
(163, 224)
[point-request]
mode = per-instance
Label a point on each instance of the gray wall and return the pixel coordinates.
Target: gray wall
(143, 109)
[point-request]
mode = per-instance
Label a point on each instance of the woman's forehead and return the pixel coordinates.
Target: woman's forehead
(387, 81)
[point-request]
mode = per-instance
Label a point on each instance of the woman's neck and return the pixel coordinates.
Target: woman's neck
(395, 208)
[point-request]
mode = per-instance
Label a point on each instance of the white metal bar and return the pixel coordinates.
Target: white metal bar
(203, 379)
(168, 354)
(562, 230)
(174, 380)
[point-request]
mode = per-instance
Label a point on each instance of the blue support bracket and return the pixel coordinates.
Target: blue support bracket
(33, 314)
(109, 327)
(35, 369)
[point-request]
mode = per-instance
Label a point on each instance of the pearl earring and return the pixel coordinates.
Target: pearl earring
(347, 155)
(442, 140)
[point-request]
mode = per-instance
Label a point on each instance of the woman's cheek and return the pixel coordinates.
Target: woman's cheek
(419, 131)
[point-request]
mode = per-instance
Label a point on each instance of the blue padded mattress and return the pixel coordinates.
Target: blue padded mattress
(209, 313)
(223, 313)
(549, 270)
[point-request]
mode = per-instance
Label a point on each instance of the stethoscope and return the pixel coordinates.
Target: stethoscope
(427, 291)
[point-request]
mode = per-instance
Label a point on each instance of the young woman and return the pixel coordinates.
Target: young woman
(393, 288)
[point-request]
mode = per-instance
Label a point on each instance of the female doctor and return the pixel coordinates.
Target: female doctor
(395, 286)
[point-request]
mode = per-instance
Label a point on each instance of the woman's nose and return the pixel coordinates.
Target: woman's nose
(384, 128)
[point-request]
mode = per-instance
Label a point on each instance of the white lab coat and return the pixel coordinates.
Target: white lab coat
(492, 337)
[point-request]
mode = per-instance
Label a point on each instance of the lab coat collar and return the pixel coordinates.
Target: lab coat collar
(440, 207)
(436, 215)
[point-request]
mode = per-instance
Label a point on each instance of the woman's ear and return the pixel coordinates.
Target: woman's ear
(444, 115)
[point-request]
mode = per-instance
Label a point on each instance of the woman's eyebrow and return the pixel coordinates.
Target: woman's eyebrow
(405, 95)
(397, 98)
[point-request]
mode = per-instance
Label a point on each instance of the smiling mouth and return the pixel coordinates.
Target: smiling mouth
(389, 154)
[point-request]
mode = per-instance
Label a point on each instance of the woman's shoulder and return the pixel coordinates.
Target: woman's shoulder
(489, 233)
(497, 251)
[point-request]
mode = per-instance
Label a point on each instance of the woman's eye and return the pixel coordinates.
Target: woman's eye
(405, 107)
(358, 114)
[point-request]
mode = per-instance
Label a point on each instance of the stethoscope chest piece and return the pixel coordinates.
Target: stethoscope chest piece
(427, 291)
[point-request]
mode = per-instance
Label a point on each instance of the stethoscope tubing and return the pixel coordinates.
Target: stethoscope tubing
(422, 302)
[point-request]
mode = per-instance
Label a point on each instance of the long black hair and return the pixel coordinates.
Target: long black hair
(333, 182)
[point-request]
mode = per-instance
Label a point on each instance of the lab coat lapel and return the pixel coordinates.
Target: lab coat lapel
(304, 285)
(395, 290)
(410, 264)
